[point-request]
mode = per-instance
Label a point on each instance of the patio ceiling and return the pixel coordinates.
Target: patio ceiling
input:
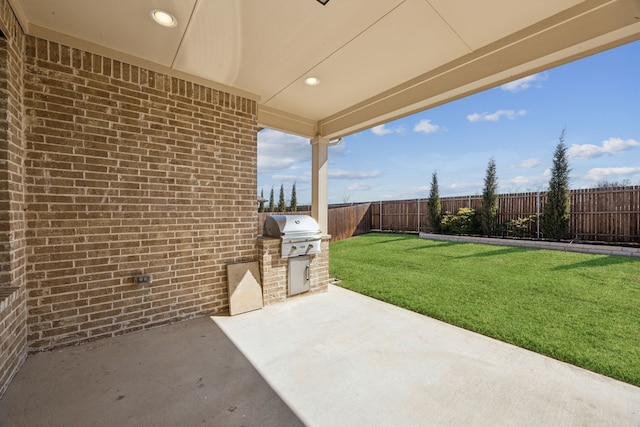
(376, 60)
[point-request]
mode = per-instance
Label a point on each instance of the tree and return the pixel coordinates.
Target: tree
(282, 206)
(294, 199)
(434, 206)
(272, 206)
(262, 199)
(555, 219)
(489, 208)
(612, 184)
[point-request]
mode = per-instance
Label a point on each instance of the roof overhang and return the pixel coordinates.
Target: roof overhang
(377, 61)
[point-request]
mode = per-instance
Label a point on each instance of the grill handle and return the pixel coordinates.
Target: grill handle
(306, 273)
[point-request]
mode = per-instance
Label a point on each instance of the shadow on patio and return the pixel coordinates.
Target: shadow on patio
(184, 374)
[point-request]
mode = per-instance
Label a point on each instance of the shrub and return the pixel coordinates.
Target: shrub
(464, 222)
(520, 227)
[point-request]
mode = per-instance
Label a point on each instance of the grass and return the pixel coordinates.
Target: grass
(580, 308)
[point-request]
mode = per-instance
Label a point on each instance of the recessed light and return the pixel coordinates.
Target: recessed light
(312, 81)
(164, 18)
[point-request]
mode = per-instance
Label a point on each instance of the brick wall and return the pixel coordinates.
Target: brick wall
(109, 170)
(13, 337)
(13, 311)
(129, 171)
(275, 273)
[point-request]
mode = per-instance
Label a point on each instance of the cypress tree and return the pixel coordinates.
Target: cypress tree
(261, 205)
(434, 206)
(272, 206)
(294, 199)
(489, 208)
(555, 220)
(282, 206)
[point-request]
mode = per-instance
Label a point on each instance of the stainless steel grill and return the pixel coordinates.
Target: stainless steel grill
(300, 234)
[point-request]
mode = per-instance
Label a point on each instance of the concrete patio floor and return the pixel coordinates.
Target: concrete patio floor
(184, 374)
(333, 359)
(343, 359)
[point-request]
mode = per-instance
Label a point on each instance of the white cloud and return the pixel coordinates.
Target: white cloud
(528, 163)
(525, 83)
(494, 117)
(422, 191)
(343, 174)
(598, 174)
(361, 186)
(284, 178)
(381, 130)
(610, 146)
(280, 151)
(523, 180)
(465, 187)
(425, 126)
(526, 181)
(291, 178)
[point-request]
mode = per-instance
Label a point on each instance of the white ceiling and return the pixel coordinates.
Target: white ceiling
(377, 60)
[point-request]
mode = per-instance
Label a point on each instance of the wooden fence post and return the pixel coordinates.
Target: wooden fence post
(538, 215)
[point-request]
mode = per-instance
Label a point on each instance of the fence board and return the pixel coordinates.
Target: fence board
(345, 222)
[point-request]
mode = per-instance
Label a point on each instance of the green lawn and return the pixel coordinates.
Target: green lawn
(583, 309)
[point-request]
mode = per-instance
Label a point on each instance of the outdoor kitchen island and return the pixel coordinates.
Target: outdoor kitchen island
(292, 246)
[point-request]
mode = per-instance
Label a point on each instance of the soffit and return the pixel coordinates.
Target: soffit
(120, 25)
(377, 60)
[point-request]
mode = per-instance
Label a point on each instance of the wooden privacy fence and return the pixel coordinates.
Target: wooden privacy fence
(608, 215)
(597, 214)
(343, 221)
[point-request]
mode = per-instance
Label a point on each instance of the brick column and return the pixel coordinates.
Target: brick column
(275, 273)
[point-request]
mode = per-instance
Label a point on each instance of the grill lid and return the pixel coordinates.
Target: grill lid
(291, 227)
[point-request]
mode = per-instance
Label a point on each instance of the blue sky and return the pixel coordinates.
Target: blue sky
(596, 100)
